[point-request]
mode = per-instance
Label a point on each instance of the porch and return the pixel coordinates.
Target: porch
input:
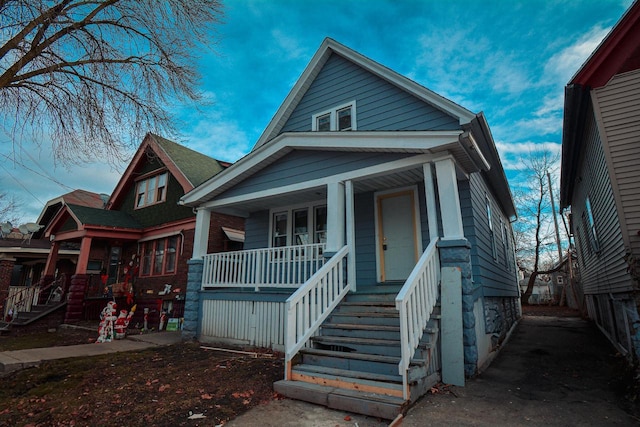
(337, 340)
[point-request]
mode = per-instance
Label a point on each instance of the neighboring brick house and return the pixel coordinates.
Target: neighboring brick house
(23, 256)
(140, 241)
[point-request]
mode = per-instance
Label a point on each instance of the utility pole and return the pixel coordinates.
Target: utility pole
(555, 219)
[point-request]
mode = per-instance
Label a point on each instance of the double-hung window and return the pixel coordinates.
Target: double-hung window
(159, 257)
(300, 225)
(340, 118)
(151, 190)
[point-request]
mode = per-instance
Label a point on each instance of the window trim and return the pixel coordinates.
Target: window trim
(492, 234)
(333, 118)
(146, 179)
(289, 210)
(591, 226)
(152, 245)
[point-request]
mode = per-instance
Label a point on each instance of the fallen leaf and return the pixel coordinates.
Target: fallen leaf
(347, 418)
(206, 396)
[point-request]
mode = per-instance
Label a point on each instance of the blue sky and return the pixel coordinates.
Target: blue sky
(509, 59)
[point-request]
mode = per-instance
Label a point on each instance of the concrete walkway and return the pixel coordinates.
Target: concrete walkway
(20, 359)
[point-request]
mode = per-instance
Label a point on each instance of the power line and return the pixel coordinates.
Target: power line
(21, 185)
(50, 178)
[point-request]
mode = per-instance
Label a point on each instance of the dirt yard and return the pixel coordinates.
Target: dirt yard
(180, 385)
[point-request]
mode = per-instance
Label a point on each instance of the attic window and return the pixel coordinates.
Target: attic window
(340, 118)
(151, 190)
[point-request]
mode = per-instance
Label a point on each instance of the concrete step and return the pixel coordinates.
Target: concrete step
(371, 404)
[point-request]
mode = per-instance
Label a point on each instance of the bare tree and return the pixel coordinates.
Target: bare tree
(92, 76)
(533, 231)
(9, 207)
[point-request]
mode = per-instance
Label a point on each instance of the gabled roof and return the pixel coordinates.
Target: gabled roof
(617, 53)
(330, 46)
(103, 217)
(187, 166)
(76, 197)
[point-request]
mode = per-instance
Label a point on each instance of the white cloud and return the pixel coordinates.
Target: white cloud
(564, 64)
(218, 138)
(288, 46)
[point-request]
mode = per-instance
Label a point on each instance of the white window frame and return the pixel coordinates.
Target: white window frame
(492, 236)
(333, 114)
(155, 178)
(311, 219)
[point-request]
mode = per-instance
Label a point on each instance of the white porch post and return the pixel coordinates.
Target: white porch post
(335, 217)
(351, 235)
(449, 200)
(430, 195)
(201, 237)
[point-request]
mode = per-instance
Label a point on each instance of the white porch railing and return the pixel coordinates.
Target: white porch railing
(415, 302)
(312, 303)
(21, 298)
(283, 267)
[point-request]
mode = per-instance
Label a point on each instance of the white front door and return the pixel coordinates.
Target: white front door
(397, 234)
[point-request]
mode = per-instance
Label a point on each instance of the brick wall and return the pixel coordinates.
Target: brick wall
(217, 237)
(6, 269)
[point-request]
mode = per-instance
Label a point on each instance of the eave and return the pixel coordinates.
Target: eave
(450, 142)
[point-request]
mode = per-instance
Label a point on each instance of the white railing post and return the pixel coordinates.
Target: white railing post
(312, 303)
(415, 302)
(282, 267)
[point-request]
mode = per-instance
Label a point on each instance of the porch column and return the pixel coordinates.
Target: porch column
(449, 200)
(351, 235)
(335, 217)
(83, 257)
(52, 260)
(201, 238)
(430, 196)
(6, 271)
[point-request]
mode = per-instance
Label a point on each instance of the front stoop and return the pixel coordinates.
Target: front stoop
(372, 404)
(353, 362)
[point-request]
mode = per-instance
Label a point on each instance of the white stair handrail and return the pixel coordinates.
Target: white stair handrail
(312, 303)
(415, 302)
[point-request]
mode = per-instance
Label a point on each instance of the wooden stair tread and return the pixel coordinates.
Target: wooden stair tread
(360, 326)
(346, 373)
(359, 356)
(367, 314)
(353, 340)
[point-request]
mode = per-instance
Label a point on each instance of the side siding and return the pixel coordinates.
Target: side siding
(602, 271)
(619, 105)
(491, 252)
(379, 104)
(365, 239)
(256, 230)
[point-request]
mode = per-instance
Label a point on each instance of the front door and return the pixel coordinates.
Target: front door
(397, 234)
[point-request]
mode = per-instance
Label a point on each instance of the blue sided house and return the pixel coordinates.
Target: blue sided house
(378, 252)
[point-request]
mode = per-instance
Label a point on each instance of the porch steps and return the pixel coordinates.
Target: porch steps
(353, 362)
(24, 318)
